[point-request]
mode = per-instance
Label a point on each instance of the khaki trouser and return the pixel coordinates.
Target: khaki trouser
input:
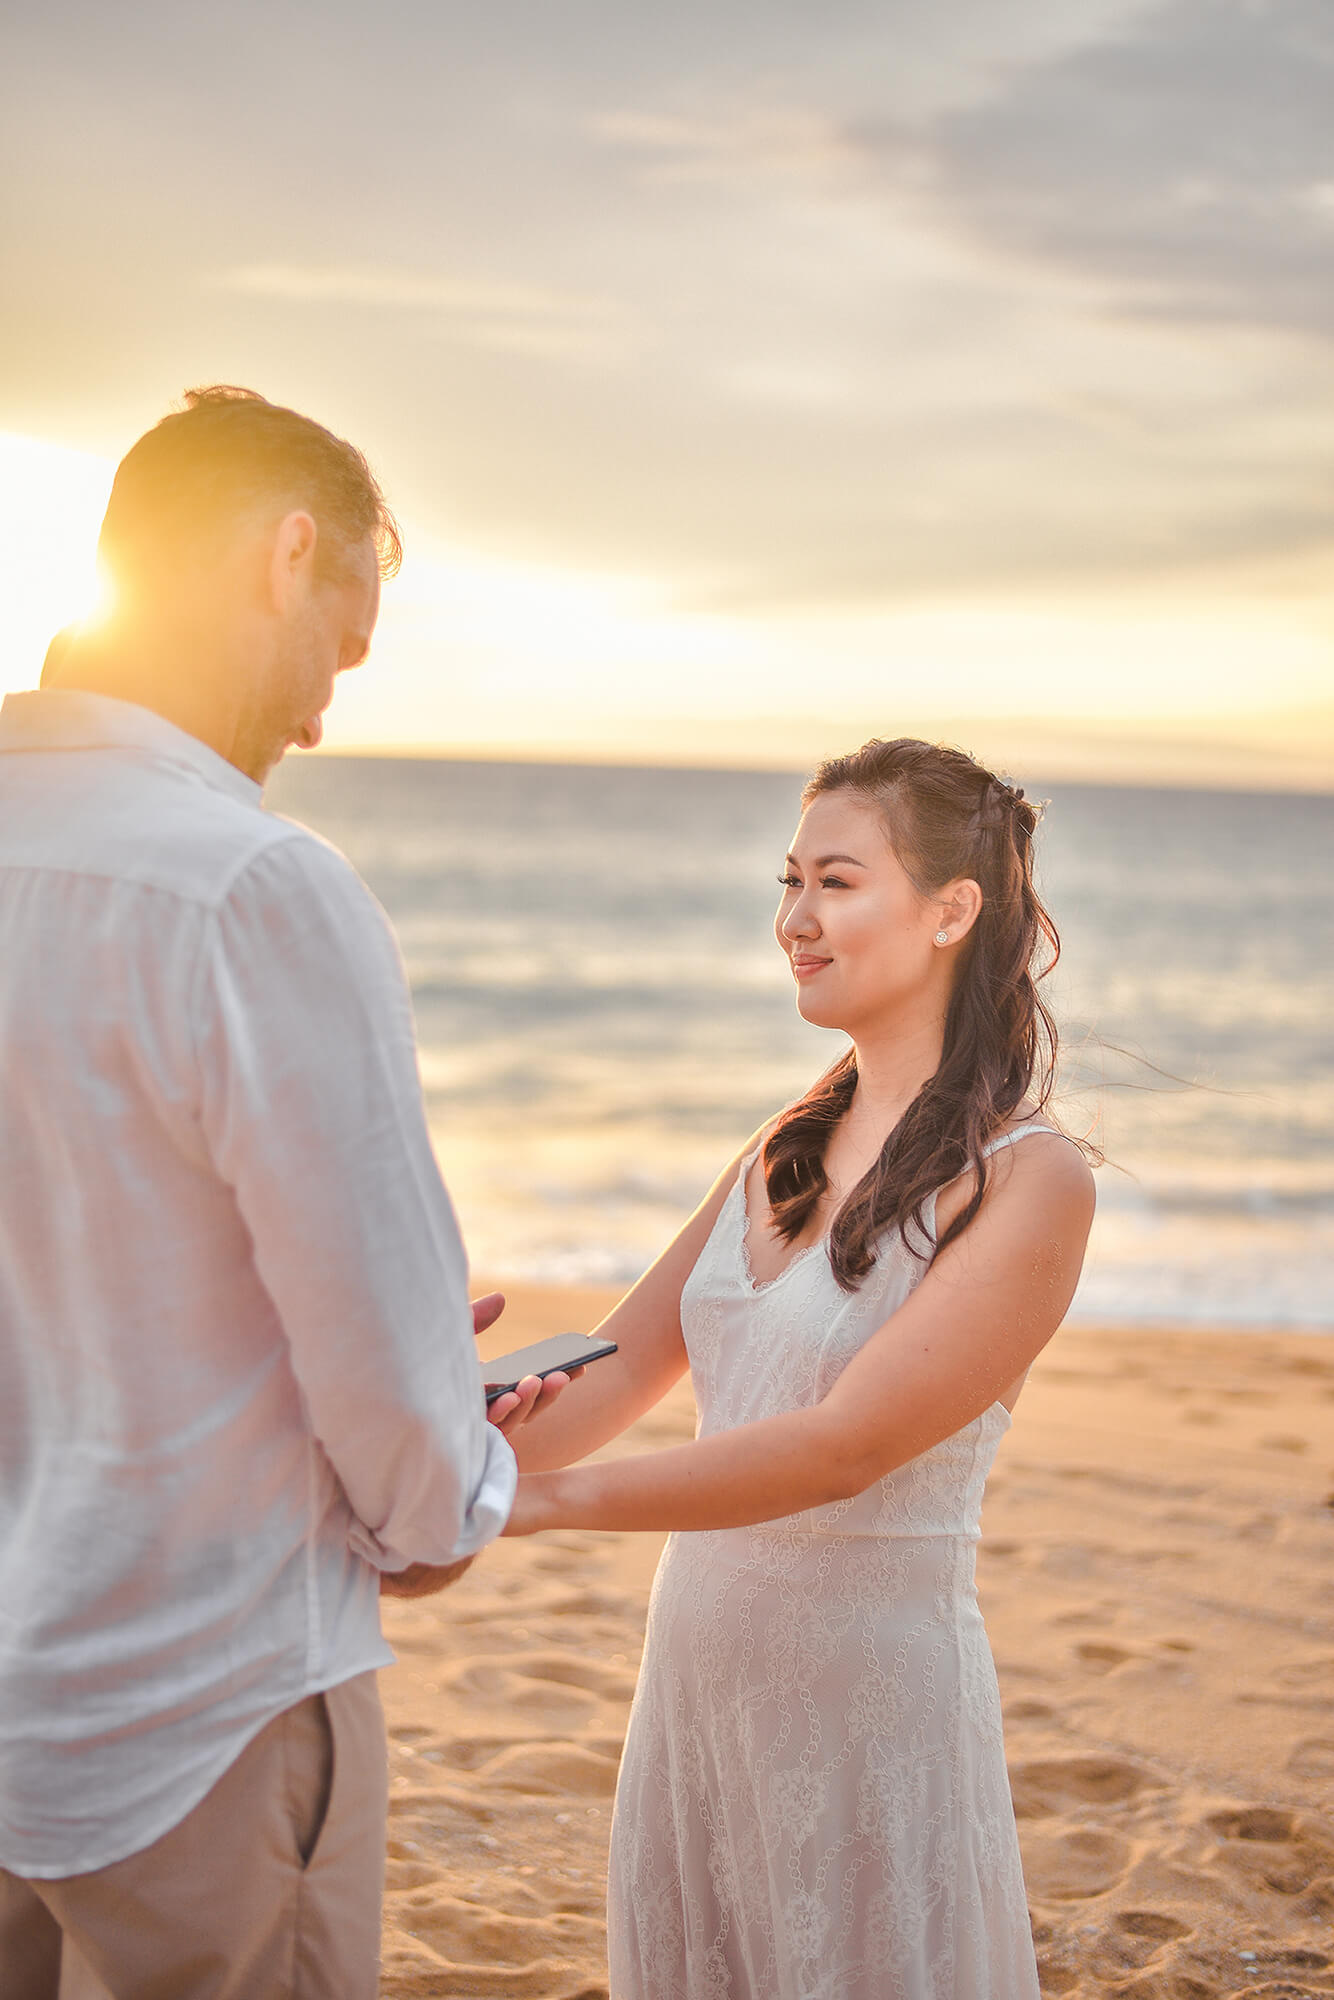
(269, 1890)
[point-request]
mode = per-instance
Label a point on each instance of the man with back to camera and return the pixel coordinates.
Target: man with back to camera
(237, 1381)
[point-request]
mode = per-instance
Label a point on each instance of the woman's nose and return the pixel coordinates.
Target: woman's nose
(800, 922)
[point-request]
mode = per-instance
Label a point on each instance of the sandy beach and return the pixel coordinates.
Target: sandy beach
(1156, 1571)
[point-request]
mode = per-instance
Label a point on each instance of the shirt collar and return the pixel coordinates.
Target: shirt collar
(72, 719)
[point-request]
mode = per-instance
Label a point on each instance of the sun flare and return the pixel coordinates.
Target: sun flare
(51, 505)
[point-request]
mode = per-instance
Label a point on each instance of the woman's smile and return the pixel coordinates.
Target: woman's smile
(850, 909)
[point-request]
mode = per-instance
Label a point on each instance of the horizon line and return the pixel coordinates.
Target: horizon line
(1260, 784)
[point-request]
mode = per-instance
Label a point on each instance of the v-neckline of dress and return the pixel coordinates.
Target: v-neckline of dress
(753, 1284)
(756, 1286)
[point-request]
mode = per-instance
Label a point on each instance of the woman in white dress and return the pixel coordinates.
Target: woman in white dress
(813, 1801)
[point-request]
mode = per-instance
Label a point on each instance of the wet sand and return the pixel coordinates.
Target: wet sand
(1157, 1571)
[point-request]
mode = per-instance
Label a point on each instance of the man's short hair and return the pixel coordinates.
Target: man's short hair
(228, 454)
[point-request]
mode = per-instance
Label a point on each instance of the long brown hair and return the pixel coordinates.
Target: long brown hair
(947, 818)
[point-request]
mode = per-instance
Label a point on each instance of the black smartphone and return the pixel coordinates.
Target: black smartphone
(544, 1357)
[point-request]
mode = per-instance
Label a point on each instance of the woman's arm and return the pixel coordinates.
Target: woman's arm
(986, 1308)
(650, 1357)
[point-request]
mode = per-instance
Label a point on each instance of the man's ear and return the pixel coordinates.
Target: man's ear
(959, 904)
(291, 568)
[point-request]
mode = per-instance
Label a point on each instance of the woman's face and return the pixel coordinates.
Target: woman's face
(858, 934)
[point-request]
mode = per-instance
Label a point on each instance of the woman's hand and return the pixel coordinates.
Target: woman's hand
(535, 1394)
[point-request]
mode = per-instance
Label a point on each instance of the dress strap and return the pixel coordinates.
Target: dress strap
(1019, 1132)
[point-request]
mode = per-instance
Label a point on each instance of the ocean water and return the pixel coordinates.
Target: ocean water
(604, 1016)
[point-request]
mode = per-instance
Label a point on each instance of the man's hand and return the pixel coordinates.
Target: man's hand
(423, 1579)
(533, 1395)
(486, 1311)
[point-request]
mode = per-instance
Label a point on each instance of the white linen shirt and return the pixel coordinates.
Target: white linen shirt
(237, 1375)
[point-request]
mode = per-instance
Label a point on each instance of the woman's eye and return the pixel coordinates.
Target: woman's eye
(832, 882)
(790, 881)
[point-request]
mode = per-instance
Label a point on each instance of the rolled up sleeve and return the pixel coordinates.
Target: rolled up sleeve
(312, 1111)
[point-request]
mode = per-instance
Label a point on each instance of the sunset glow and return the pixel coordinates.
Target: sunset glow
(474, 654)
(51, 502)
(961, 370)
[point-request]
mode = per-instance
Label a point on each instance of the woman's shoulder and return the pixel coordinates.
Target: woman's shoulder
(1028, 1158)
(1031, 1150)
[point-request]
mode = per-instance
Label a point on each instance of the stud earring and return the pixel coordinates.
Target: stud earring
(942, 937)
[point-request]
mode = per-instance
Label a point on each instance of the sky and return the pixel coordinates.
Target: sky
(747, 379)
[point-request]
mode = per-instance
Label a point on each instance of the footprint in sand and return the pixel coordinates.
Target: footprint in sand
(567, 1670)
(1267, 1823)
(1314, 1676)
(407, 1868)
(1133, 1940)
(508, 1685)
(1313, 1757)
(1100, 1656)
(1280, 1850)
(1104, 1656)
(1155, 1925)
(592, 1604)
(1065, 1864)
(1281, 1988)
(445, 1947)
(544, 1768)
(1097, 1614)
(1047, 1785)
(1024, 1708)
(466, 1931)
(1307, 1364)
(466, 1753)
(1056, 1979)
(1318, 1902)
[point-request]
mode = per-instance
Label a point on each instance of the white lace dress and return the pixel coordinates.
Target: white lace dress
(813, 1802)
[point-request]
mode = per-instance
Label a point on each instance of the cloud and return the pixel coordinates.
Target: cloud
(790, 310)
(527, 318)
(1177, 154)
(760, 135)
(1187, 161)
